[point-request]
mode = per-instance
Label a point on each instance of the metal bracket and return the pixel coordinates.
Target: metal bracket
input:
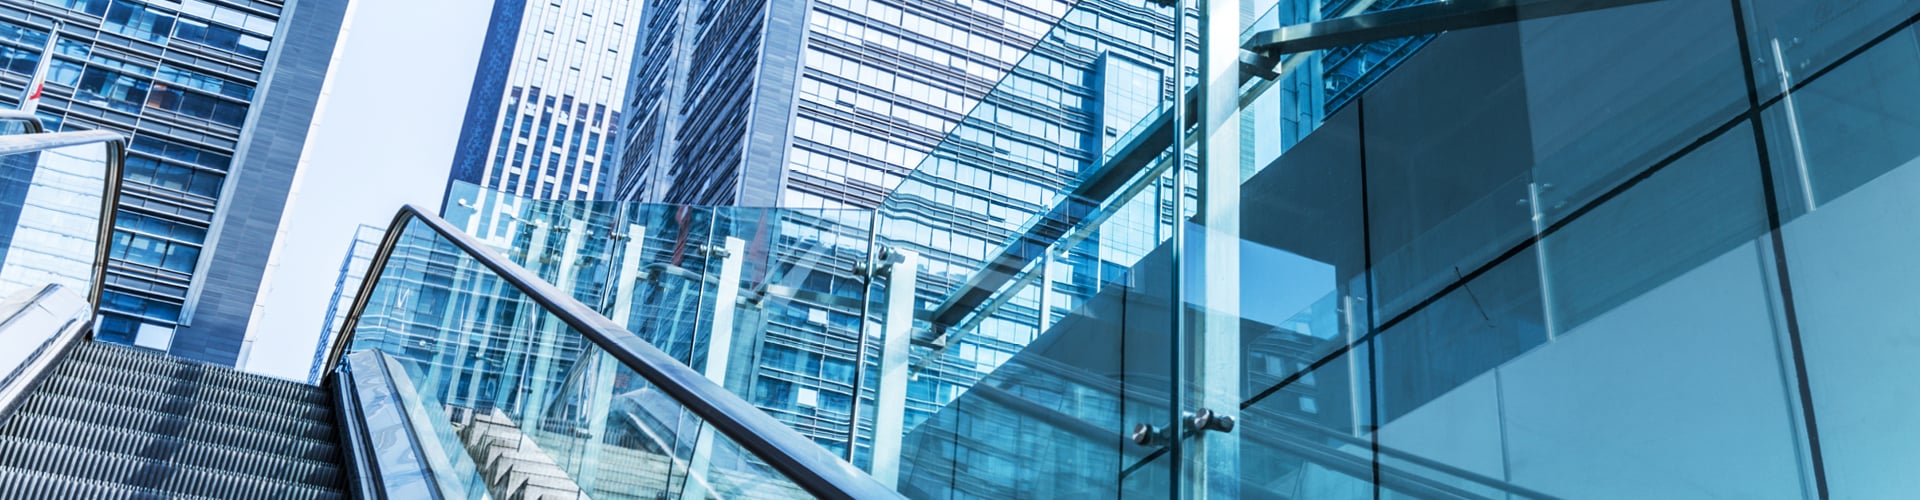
(1207, 420)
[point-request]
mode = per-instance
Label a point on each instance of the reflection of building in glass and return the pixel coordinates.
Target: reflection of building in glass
(49, 217)
(346, 288)
(207, 175)
(545, 103)
(432, 314)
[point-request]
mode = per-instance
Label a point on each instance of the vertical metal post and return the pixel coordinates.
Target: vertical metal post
(624, 279)
(1213, 466)
(546, 348)
(889, 421)
(860, 351)
(719, 341)
(1045, 303)
(621, 286)
(523, 322)
(1177, 240)
(726, 294)
(1540, 256)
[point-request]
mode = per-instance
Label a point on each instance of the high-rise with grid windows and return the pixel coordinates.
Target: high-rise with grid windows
(545, 103)
(218, 97)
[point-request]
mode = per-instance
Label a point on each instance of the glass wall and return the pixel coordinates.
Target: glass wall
(51, 206)
(1652, 250)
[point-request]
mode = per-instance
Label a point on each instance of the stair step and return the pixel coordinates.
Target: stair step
(66, 385)
(174, 387)
(124, 358)
(36, 485)
(146, 420)
(37, 426)
(155, 446)
(145, 473)
(61, 405)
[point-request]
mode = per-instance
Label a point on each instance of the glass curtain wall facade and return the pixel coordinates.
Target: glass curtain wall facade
(186, 80)
(544, 112)
(824, 104)
(1651, 250)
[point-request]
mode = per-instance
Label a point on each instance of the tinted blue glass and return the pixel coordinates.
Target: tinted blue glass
(1844, 156)
(139, 21)
(1794, 38)
(112, 88)
(95, 7)
(1310, 438)
(1447, 154)
(220, 37)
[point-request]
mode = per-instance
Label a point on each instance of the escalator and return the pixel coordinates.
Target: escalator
(117, 422)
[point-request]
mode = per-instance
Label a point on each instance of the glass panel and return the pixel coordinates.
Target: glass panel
(1792, 40)
(1309, 434)
(530, 399)
(1465, 161)
(1843, 156)
(50, 209)
(1667, 278)
(1042, 305)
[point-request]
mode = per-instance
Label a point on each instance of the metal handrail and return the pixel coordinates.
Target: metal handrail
(109, 198)
(32, 120)
(802, 461)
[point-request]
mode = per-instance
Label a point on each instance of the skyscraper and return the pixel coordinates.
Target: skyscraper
(346, 288)
(728, 99)
(217, 96)
(545, 103)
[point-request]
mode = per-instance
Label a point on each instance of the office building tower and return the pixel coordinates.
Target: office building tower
(545, 103)
(726, 99)
(346, 288)
(217, 96)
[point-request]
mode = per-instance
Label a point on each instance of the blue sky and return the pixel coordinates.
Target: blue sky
(384, 137)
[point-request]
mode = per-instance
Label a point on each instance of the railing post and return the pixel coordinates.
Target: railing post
(889, 422)
(719, 340)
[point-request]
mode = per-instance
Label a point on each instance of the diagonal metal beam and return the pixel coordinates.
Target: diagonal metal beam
(1416, 20)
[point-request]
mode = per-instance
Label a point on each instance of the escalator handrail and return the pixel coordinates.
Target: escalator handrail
(808, 465)
(32, 121)
(109, 197)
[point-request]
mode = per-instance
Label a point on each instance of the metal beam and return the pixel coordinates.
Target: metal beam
(1415, 20)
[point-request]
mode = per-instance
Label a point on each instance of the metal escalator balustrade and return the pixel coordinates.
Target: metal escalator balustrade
(498, 374)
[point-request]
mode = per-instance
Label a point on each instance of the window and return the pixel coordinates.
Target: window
(208, 83)
(180, 178)
(138, 306)
(137, 21)
(181, 152)
(221, 37)
(116, 90)
(174, 98)
(94, 7)
(154, 252)
(159, 227)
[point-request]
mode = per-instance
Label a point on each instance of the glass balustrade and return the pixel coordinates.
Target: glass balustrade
(53, 190)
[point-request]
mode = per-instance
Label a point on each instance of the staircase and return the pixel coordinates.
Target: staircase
(113, 422)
